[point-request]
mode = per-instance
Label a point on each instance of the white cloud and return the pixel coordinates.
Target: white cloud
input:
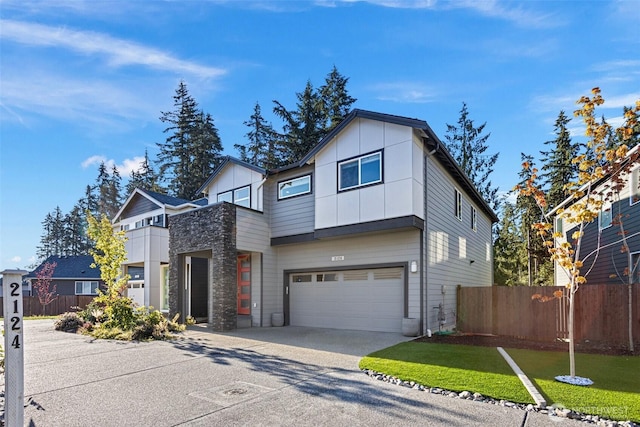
(93, 160)
(82, 101)
(490, 8)
(130, 165)
(118, 52)
(124, 169)
(411, 92)
(16, 259)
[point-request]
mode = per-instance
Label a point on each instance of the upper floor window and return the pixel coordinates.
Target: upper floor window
(457, 204)
(361, 171)
(294, 187)
(558, 224)
(240, 196)
(474, 219)
(634, 196)
(605, 218)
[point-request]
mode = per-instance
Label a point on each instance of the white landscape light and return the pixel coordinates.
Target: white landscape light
(414, 266)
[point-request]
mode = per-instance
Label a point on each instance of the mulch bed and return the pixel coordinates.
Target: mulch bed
(510, 342)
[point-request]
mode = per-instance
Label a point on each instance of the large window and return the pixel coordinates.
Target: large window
(294, 187)
(457, 210)
(364, 170)
(86, 288)
(240, 196)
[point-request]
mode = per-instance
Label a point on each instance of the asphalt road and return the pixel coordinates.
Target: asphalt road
(260, 377)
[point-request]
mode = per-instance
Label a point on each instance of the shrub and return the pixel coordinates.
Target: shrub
(68, 322)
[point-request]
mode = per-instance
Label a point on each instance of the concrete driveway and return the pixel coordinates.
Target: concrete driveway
(260, 377)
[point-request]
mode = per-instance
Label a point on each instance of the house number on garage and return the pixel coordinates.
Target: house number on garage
(13, 347)
(337, 258)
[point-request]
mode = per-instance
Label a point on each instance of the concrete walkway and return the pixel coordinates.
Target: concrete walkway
(263, 376)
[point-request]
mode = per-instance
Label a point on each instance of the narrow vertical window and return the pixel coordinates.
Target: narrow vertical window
(474, 219)
(458, 204)
(635, 186)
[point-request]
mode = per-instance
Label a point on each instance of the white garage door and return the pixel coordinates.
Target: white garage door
(366, 300)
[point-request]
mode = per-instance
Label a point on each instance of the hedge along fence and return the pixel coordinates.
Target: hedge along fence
(63, 303)
(601, 313)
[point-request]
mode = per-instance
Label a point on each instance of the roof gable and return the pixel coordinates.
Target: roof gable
(227, 162)
(430, 139)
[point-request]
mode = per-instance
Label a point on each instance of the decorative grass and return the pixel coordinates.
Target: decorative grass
(451, 367)
(615, 393)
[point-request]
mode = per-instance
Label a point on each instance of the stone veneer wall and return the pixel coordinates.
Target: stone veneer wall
(213, 229)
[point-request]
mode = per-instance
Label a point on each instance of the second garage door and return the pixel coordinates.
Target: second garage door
(366, 300)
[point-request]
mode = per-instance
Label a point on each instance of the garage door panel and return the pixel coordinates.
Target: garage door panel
(370, 300)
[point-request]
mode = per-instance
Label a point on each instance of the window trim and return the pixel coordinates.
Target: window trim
(310, 191)
(457, 208)
(233, 196)
(83, 283)
(359, 158)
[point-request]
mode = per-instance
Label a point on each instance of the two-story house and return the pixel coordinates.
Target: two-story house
(144, 218)
(376, 224)
(601, 244)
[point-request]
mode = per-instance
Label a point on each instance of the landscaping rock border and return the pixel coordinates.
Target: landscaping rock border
(551, 411)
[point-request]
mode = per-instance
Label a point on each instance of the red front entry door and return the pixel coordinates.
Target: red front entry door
(244, 284)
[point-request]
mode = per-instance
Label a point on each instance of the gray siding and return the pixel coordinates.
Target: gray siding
(451, 245)
(294, 215)
(359, 251)
(609, 263)
(138, 206)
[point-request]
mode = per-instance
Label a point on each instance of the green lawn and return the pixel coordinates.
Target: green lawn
(615, 393)
(452, 367)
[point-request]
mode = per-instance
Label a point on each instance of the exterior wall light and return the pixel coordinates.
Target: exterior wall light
(413, 266)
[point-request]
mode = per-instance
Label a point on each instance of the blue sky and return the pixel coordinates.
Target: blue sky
(85, 81)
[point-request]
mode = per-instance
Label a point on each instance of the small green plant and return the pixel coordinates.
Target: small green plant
(68, 322)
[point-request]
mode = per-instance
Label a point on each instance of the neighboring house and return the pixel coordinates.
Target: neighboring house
(375, 224)
(601, 244)
(73, 275)
(26, 288)
(143, 217)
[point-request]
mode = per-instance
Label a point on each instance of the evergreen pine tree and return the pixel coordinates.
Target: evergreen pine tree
(557, 166)
(540, 266)
(144, 178)
(52, 241)
(205, 150)
(260, 149)
(335, 99)
(468, 146)
(192, 147)
(510, 252)
(303, 127)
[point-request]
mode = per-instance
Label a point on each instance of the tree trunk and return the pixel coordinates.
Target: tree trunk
(572, 360)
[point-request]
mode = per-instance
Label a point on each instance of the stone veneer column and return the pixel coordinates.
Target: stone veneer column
(213, 229)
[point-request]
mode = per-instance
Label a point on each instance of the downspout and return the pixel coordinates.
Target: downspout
(423, 272)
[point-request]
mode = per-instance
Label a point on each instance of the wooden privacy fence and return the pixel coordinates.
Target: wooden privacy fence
(601, 313)
(32, 306)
